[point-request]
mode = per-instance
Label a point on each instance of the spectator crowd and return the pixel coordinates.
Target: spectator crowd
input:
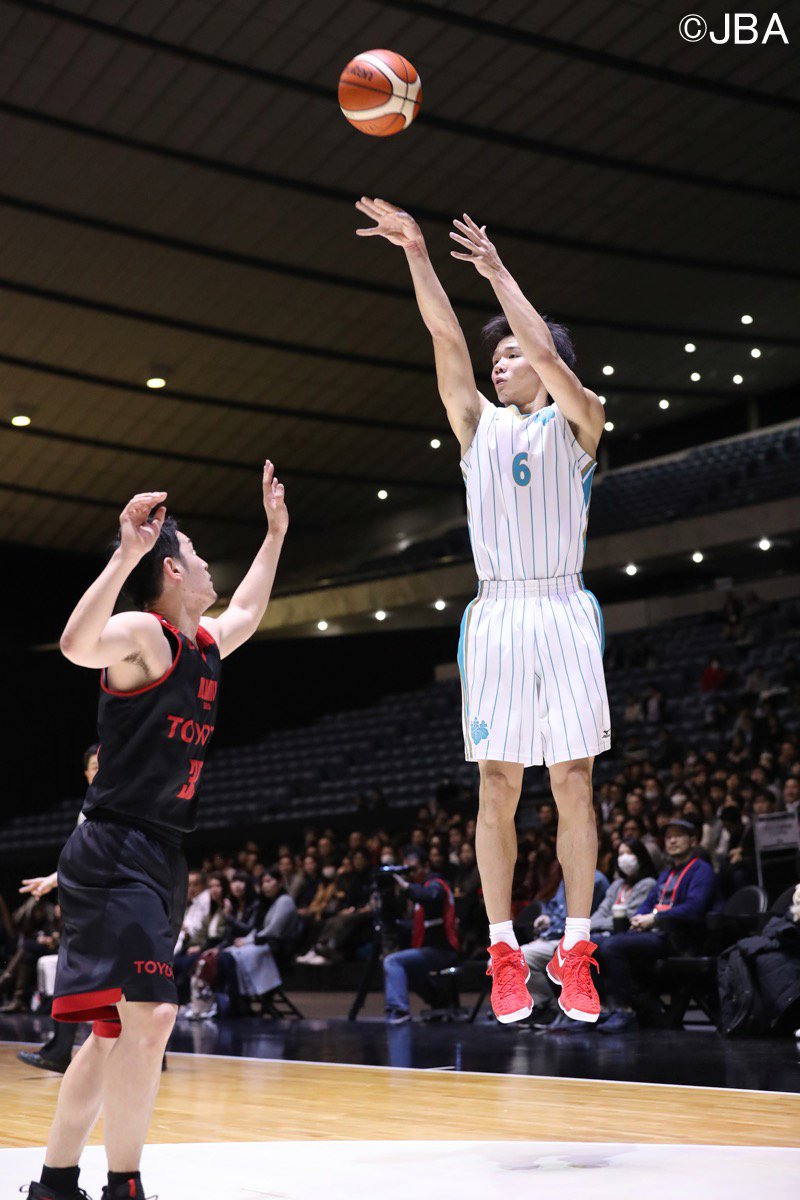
(675, 833)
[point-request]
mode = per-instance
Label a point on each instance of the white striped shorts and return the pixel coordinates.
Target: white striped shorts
(531, 662)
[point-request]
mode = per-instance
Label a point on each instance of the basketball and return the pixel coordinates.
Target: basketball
(380, 92)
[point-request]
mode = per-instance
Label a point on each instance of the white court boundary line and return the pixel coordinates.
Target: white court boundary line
(310, 1062)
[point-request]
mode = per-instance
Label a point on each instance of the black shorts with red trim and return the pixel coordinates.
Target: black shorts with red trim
(122, 894)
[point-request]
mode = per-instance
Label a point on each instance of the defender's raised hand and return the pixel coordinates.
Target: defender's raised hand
(392, 223)
(274, 500)
(138, 532)
(481, 252)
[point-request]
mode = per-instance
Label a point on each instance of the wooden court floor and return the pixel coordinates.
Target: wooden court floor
(214, 1099)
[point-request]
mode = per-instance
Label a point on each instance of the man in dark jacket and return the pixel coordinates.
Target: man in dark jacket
(434, 940)
(671, 919)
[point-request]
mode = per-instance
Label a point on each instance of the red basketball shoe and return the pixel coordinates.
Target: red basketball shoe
(511, 1000)
(571, 970)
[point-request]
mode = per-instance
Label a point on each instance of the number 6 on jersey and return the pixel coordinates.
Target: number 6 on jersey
(520, 469)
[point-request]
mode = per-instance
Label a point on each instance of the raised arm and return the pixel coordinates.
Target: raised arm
(249, 602)
(93, 637)
(455, 377)
(580, 406)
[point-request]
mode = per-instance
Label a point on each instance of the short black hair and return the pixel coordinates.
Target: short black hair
(88, 752)
(498, 328)
(145, 583)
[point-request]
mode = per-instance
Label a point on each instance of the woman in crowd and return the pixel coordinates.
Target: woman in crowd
(250, 967)
(636, 876)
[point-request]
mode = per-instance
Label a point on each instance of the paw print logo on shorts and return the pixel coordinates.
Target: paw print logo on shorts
(479, 730)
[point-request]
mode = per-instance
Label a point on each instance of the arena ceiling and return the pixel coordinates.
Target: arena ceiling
(177, 200)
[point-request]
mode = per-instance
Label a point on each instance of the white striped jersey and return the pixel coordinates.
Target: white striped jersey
(528, 489)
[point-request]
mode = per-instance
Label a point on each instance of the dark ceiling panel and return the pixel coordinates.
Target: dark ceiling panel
(179, 189)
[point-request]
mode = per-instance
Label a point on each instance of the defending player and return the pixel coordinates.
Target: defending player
(531, 644)
(122, 874)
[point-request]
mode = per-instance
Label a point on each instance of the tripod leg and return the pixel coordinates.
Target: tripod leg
(366, 980)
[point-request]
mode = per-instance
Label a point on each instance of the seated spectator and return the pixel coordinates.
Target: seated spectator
(37, 931)
(714, 677)
(304, 886)
(654, 706)
(434, 938)
(550, 925)
(470, 912)
(671, 920)
(325, 904)
(197, 906)
(633, 883)
(209, 934)
(354, 917)
(288, 870)
(633, 713)
(439, 865)
(455, 839)
(243, 911)
(251, 966)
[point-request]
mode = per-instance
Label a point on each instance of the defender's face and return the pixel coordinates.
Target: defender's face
(514, 379)
(197, 583)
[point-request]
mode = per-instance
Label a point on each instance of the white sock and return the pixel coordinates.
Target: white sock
(503, 931)
(576, 930)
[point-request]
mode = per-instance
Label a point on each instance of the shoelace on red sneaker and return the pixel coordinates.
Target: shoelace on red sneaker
(503, 972)
(575, 971)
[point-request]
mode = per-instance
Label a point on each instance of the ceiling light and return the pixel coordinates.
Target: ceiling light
(383, 494)
(602, 399)
(737, 379)
(690, 347)
(747, 319)
(755, 352)
(156, 381)
(609, 425)
(440, 605)
(695, 376)
(435, 443)
(765, 544)
(380, 615)
(20, 421)
(631, 569)
(322, 626)
(608, 370)
(663, 404)
(698, 556)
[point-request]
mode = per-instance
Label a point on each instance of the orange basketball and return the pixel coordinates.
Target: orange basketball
(380, 92)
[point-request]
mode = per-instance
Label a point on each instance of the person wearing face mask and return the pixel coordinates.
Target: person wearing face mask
(669, 920)
(626, 893)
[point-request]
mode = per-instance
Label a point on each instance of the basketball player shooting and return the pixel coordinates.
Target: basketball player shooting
(531, 645)
(122, 875)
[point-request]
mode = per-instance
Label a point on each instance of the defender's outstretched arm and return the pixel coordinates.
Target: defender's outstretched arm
(249, 602)
(455, 377)
(580, 406)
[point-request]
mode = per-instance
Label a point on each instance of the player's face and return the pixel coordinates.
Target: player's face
(196, 578)
(91, 768)
(514, 379)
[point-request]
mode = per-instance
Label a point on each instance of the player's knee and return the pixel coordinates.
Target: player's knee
(151, 1026)
(499, 795)
(572, 783)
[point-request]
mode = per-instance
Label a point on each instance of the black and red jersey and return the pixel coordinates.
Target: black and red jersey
(153, 740)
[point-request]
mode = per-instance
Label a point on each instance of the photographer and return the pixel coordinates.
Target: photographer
(434, 937)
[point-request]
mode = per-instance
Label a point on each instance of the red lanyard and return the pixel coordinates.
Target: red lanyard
(661, 904)
(623, 894)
